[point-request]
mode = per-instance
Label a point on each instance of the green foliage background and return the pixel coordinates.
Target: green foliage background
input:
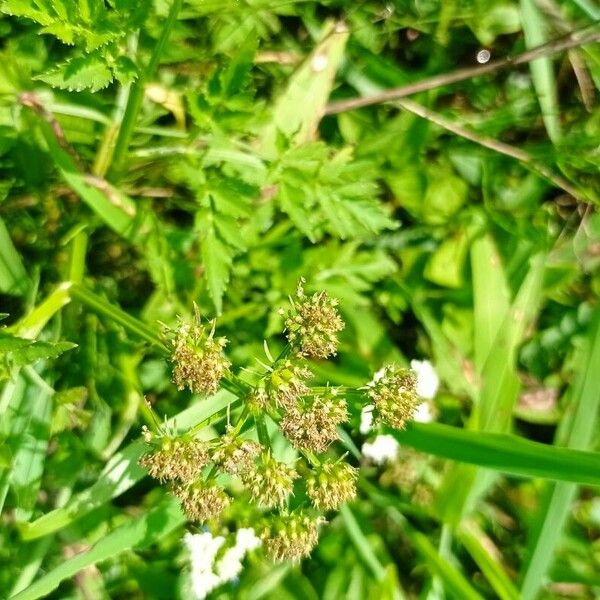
(154, 155)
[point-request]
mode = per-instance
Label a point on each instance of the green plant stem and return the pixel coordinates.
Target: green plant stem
(136, 94)
(102, 307)
(77, 258)
(361, 544)
(30, 326)
(261, 430)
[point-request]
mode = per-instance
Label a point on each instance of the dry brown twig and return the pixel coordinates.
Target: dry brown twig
(574, 39)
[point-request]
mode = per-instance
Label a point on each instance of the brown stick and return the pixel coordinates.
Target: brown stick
(492, 144)
(573, 39)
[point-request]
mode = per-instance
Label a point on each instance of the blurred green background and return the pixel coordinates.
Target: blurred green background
(154, 155)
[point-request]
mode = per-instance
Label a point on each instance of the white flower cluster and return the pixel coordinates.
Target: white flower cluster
(385, 448)
(428, 381)
(382, 449)
(206, 573)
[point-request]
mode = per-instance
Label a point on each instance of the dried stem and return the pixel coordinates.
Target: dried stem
(492, 144)
(574, 39)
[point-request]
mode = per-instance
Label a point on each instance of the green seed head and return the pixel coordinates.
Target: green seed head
(313, 323)
(394, 394)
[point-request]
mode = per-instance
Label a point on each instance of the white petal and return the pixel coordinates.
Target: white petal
(382, 449)
(366, 419)
(428, 381)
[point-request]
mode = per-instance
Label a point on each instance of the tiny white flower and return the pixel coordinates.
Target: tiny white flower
(377, 376)
(206, 574)
(382, 449)
(246, 539)
(203, 548)
(428, 381)
(366, 418)
(230, 565)
(424, 414)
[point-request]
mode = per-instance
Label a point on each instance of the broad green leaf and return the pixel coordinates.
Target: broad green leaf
(216, 259)
(18, 352)
(446, 265)
(86, 72)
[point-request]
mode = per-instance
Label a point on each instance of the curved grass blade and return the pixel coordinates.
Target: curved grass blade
(502, 452)
(137, 533)
(580, 429)
(120, 473)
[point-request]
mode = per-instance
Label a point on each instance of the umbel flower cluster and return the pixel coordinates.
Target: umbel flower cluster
(289, 498)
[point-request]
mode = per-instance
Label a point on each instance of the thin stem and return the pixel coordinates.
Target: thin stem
(136, 94)
(77, 258)
(30, 326)
(571, 40)
(102, 307)
(261, 430)
(34, 377)
(493, 144)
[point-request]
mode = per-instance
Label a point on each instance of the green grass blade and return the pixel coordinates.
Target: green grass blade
(547, 530)
(498, 393)
(542, 71)
(361, 543)
(13, 277)
(112, 206)
(455, 582)
(491, 297)
(137, 533)
(29, 443)
(502, 452)
(500, 384)
(120, 473)
(471, 538)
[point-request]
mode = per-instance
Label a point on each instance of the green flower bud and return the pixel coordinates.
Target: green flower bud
(331, 485)
(287, 383)
(313, 323)
(176, 459)
(234, 454)
(202, 501)
(394, 394)
(198, 360)
(311, 424)
(290, 536)
(270, 482)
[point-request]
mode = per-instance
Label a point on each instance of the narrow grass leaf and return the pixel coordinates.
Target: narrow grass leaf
(547, 530)
(361, 543)
(502, 452)
(542, 70)
(120, 473)
(13, 277)
(491, 296)
(472, 538)
(137, 533)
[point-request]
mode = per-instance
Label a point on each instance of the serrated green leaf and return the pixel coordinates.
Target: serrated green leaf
(216, 259)
(31, 353)
(89, 72)
(125, 70)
